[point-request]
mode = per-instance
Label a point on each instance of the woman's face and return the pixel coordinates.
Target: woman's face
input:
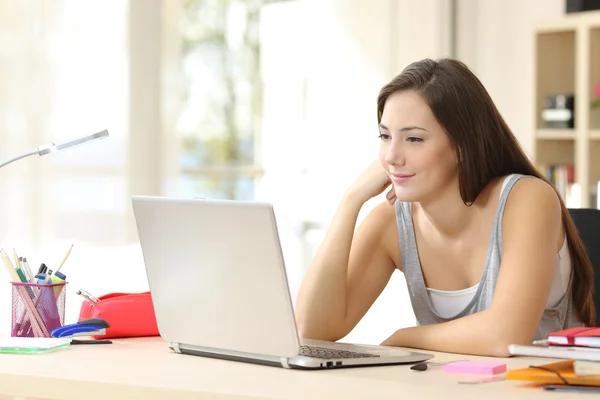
(415, 151)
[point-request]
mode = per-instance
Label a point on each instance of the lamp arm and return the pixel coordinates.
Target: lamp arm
(30, 153)
(50, 148)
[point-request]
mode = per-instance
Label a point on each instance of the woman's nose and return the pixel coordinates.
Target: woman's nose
(395, 155)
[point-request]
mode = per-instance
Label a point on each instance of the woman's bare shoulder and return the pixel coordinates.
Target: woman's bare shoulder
(381, 218)
(533, 190)
(381, 222)
(530, 195)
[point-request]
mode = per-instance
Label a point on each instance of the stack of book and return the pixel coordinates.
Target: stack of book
(573, 344)
(579, 372)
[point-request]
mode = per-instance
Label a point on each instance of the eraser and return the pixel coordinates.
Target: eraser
(474, 367)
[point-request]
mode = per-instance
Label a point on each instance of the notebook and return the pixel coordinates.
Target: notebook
(26, 345)
(549, 374)
(583, 336)
(564, 352)
(586, 367)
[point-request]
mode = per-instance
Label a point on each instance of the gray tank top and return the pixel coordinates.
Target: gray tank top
(562, 316)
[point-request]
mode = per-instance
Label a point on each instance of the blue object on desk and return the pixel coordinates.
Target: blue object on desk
(43, 278)
(88, 327)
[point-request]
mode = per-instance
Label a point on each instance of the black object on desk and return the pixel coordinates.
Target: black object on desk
(573, 388)
(90, 341)
(419, 367)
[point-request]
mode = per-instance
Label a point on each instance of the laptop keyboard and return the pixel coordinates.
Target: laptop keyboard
(329, 354)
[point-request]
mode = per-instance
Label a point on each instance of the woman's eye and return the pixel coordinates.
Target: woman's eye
(384, 136)
(414, 139)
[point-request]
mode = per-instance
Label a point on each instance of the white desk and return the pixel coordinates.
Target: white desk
(144, 368)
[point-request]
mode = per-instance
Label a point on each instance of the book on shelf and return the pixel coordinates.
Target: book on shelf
(562, 177)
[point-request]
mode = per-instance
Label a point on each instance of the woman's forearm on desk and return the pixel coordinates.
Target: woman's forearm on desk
(477, 334)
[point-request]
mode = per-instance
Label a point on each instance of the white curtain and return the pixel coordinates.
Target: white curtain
(71, 68)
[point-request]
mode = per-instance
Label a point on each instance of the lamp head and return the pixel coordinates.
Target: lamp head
(51, 148)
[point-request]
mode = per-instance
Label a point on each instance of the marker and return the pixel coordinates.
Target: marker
(22, 266)
(58, 277)
(23, 279)
(43, 279)
(21, 274)
(42, 269)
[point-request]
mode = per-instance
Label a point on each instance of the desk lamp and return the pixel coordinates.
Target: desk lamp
(50, 148)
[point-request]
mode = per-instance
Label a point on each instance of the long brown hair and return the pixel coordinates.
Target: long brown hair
(487, 149)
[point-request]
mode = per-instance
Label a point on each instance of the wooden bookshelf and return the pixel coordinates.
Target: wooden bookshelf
(556, 134)
(567, 61)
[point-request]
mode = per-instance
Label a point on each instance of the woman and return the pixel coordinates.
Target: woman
(489, 251)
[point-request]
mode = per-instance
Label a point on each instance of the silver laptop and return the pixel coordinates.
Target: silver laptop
(219, 287)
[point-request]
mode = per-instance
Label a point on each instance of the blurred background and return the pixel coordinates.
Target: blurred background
(243, 99)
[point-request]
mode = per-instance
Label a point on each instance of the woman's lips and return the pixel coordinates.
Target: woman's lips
(400, 178)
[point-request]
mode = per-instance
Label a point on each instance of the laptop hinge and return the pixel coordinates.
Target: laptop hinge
(175, 347)
(285, 362)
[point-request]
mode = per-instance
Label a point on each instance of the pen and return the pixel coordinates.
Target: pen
(43, 279)
(28, 269)
(22, 266)
(42, 269)
(23, 279)
(573, 388)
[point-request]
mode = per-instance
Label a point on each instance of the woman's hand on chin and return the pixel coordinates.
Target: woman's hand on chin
(373, 181)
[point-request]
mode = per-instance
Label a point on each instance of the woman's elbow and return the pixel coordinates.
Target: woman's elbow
(307, 330)
(498, 346)
(499, 350)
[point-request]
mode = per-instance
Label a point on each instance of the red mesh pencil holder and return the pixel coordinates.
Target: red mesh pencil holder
(37, 309)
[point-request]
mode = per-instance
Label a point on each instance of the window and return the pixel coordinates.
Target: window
(220, 125)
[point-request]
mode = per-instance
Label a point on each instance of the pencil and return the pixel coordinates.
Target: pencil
(12, 273)
(64, 259)
(16, 257)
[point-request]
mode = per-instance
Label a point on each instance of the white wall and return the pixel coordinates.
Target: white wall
(320, 129)
(495, 39)
(323, 70)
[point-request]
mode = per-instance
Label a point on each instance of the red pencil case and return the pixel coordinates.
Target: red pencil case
(128, 314)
